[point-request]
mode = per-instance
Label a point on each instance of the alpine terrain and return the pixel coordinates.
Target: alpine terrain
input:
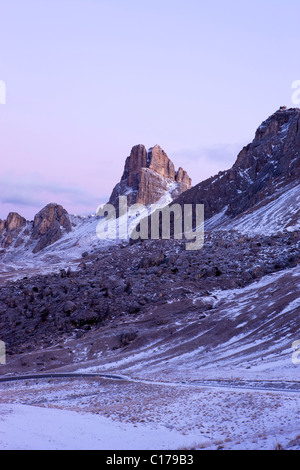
(179, 348)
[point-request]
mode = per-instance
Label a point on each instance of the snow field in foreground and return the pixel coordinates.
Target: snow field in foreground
(25, 427)
(108, 415)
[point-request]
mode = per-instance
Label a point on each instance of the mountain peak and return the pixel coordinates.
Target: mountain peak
(275, 146)
(149, 175)
(48, 225)
(270, 163)
(274, 124)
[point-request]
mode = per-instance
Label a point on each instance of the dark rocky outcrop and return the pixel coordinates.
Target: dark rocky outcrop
(270, 162)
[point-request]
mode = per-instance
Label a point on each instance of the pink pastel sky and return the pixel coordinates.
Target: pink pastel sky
(87, 80)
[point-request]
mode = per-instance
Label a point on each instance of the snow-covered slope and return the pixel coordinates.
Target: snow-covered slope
(277, 213)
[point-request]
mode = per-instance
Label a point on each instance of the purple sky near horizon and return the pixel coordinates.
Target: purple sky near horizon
(87, 80)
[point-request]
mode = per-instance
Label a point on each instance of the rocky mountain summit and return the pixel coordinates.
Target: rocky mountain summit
(265, 169)
(148, 176)
(47, 227)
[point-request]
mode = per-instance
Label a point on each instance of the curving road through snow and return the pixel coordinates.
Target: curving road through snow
(259, 385)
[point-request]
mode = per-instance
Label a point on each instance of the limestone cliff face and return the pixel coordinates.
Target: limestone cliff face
(149, 175)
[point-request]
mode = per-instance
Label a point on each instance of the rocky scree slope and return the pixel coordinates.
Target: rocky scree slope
(125, 283)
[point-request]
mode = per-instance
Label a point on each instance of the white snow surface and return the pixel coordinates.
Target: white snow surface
(147, 417)
(274, 217)
(282, 213)
(56, 429)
